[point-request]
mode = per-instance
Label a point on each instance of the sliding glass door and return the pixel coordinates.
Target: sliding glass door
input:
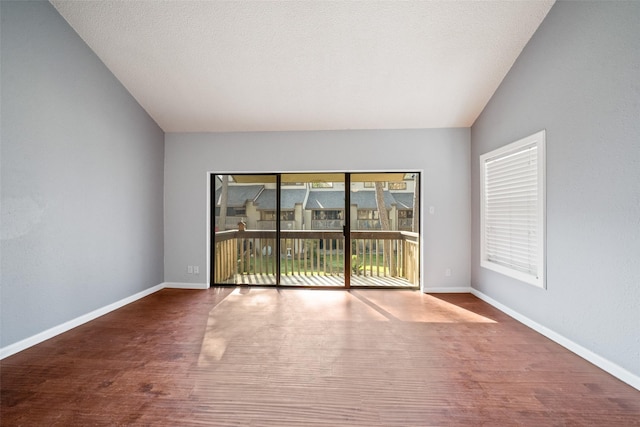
(327, 230)
(312, 236)
(384, 230)
(244, 240)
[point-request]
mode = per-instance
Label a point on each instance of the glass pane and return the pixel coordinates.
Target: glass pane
(312, 220)
(384, 230)
(245, 232)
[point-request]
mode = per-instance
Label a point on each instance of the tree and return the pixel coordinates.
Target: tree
(224, 199)
(389, 259)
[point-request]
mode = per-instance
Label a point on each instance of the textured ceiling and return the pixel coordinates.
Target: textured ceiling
(307, 65)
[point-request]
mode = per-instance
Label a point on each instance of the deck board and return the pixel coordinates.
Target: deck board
(325, 281)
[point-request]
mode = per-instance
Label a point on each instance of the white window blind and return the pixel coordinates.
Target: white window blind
(512, 180)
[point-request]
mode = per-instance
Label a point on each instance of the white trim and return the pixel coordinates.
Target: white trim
(447, 290)
(181, 285)
(14, 348)
(604, 364)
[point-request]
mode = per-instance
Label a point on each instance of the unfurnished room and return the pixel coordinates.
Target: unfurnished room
(319, 213)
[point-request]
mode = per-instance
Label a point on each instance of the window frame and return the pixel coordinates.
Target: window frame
(537, 140)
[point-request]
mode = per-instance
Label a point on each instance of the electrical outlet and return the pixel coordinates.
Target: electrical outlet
(432, 210)
(196, 269)
(447, 272)
(190, 269)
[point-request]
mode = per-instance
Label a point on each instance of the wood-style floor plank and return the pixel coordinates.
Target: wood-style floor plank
(280, 357)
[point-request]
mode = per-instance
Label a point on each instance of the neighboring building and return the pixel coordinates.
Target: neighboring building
(291, 216)
(240, 205)
(317, 206)
(404, 206)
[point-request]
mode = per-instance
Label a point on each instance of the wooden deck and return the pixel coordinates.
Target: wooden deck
(324, 281)
(307, 357)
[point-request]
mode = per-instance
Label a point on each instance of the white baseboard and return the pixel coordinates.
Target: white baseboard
(447, 290)
(66, 326)
(178, 285)
(604, 364)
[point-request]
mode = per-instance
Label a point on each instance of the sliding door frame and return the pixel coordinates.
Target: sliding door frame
(346, 227)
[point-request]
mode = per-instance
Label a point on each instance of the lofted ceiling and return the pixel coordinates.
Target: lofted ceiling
(225, 66)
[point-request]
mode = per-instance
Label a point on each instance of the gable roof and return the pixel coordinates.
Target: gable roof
(367, 199)
(239, 194)
(404, 200)
(325, 200)
(335, 200)
(288, 198)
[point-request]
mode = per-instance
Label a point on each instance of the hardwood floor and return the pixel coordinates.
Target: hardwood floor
(280, 357)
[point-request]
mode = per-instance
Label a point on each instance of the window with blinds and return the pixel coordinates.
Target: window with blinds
(512, 212)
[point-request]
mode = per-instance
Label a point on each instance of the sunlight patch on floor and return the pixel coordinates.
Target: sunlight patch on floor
(415, 309)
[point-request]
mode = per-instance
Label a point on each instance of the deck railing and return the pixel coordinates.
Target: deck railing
(374, 253)
(231, 222)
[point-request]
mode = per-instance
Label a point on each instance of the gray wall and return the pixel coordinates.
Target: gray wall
(579, 78)
(82, 173)
(443, 154)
